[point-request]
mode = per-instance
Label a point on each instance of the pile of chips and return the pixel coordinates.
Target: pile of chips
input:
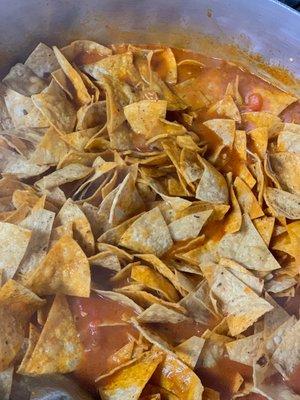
(123, 161)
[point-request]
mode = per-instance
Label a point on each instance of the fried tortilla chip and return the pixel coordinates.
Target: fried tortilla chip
(13, 244)
(289, 138)
(158, 313)
(82, 95)
(191, 94)
(23, 80)
(282, 203)
(173, 375)
(189, 350)
(17, 305)
(33, 338)
(259, 141)
(56, 108)
(224, 129)
(92, 115)
(164, 63)
(226, 107)
(155, 281)
(248, 248)
(188, 227)
(129, 382)
(239, 303)
(148, 234)
(65, 269)
(212, 187)
(245, 350)
(70, 173)
(6, 380)
(85, 51)
(72, 217)
(214, 348)
(58, 349)
(260, 119)
(246, 199)
(285, 166)
(42, 61)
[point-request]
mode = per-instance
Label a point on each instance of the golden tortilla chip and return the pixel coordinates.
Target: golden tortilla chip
(245, 350)
(265, 227)
(33, 338)
(82, 95)
(65, 269)
(189, 350)
(224, 129)
(259, 141)
(155, 281)
(106, 260)
(148, 234)
(173, 375)
(191, 94)
(14, 241)
(91, 116)
(56, 108)
(188, 227)
(246, 199)
(42, 61)
(164, 63)
(85, 51)
(130, 381)
(226, 107)
(260, 119)
(158, 313)
(285, 166)
(58, 349)
(288, 138)
(248, 248)
(282, 203)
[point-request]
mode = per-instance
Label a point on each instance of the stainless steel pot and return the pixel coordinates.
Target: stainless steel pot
(232, 29)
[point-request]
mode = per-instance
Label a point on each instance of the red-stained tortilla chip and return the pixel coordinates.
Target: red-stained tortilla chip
(129, 382)
(150, 278)
(282, 203)
(226, 107)
(82, 95)
(173, 375)
(158, 313)
(248, 248)
(247, 200)
(6, 380)
(189, 350)
(17, 305)
(33, 338)
(65, 269)
(148, 234)
(58, 349)
(14, 241)
(210, 394)
(212, 187)
(72, 217)
(239, 303)
(188, 227)
(56, 108)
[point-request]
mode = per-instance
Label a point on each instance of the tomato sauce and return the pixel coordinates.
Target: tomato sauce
(100, 342)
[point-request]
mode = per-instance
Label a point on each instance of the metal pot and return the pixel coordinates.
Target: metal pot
(230, 29)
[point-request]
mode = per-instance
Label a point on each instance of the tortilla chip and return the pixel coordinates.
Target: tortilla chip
(106, 260)
(13, 244)
(17, 305)
(6, 380)
(33, 338)
(224, 129)
(65, 269)
(260, 119)
(189, 350)
(173, 375)
(234, 217)
(210, 394)
(289, 139)
(285, 166)
(191, 94)
(58, 349)
(148, 234)
(82, 95)
(56, 108)
(70, 173)
(265, 227)
(188, 227)
(120, 298)
(247, 248)
(85, 51)
(245, 350)
(226, 107)
(246, 199)
(239, 303)
(23, 80)
(282, 203)
(214, 348)
(42, 61)
(212, 186)
(130, 380)
(155, 281)
(158, 313)
(91, 116)
(164, 63)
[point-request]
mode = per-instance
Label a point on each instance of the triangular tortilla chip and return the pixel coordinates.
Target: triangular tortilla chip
(212, 186)
(155, 281)
(85, 51)
(33, 338)
(23, 80)
(259, 119)
(65, 269)
(6, 380)
(191, 94)
(164, 63)
(92, 115)
(289, 138)
(282, 203)
(286, 166)
(224, 129)
(42, 61)
(106, 260)
(188, 227)
(129, 382)
(245, 350)
(71, 216)
(247, 199)
(265, 227)
(259, 141)
(226, 107)
(81, 92)
(148, 234)
(58, 349)
(173, 375)
(214, 348)
(70, 173)
(17, 305)
(189, 350)
(39, 222)
(248, 248)
(239, 303)
(56, 108)
(158, 313)
(13, 244)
